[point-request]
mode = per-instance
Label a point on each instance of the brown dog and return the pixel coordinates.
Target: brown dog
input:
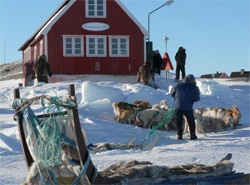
(125, 113)
(142, 104)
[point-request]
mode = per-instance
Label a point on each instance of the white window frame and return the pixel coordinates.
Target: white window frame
(119, 54)
(95, 9)
(73, 45)
(41, 47)
(96, 37)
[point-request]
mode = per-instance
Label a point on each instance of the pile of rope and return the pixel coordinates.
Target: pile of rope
(47, 148)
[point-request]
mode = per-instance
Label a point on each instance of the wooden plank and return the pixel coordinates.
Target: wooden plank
(28, 158)
(80, 144)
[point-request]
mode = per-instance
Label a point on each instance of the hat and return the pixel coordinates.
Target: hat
(191, 76)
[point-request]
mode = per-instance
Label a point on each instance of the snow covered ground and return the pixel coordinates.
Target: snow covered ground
(97, 118)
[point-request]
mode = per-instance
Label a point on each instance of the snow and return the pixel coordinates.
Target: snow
(97, 118)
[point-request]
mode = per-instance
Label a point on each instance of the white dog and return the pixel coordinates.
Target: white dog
(163, 106)
(148, 118)
(198, 126)
(216, 119)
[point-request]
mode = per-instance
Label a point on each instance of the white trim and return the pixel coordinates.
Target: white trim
(119, 37)
(41, 47)
(73, 45)
(34, 54)
(144, 31)
(96, 45)
(95, 10)
(46, 46)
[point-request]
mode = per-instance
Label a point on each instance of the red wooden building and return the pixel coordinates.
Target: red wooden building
(88, 37)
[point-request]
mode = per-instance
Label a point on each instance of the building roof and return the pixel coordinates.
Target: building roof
(207, 76)
(240, 74)
(220, 75)
(44, 29)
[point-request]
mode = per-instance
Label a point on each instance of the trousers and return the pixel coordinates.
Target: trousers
(178, 69)
(179, 118)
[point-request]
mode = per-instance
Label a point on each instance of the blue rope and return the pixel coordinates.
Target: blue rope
(46, 136)
(83, 171)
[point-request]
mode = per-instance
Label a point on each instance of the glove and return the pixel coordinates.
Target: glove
(153, 78)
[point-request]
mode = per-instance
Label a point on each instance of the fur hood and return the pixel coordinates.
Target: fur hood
(188, 79)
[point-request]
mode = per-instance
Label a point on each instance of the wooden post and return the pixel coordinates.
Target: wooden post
(80, 143)
(27, 155)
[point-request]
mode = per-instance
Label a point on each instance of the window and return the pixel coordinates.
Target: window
(119, 46)
(95, 8)
(72, 45)
(41, 47)
(96, 46)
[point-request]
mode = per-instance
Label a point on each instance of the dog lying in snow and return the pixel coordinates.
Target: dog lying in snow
(149, 118)
(142, 105)
(236, 114)
(125, 112)
(198, 126)
(163, 106)
(216, 119)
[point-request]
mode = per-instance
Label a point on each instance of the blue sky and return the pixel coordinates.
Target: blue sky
(215, 33)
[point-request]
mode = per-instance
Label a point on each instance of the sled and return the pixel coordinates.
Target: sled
(85, 161)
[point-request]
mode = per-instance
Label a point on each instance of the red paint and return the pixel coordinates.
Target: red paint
(70, 23)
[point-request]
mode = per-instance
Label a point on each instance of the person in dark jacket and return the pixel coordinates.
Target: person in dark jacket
(42, 69)
(185, 94)
(180, 58)
(157, 62)
(145, 73)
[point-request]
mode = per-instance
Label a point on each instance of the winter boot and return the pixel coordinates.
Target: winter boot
(192, 132)
(179, 137)
(179, 133)
(193, 137)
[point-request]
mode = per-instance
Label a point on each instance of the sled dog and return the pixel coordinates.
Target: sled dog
(142, 104)
(147, 118)
(125, 113)
(198, 126)
(163, 106)
(216, 119)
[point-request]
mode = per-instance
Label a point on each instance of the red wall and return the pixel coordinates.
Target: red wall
(71, 24)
